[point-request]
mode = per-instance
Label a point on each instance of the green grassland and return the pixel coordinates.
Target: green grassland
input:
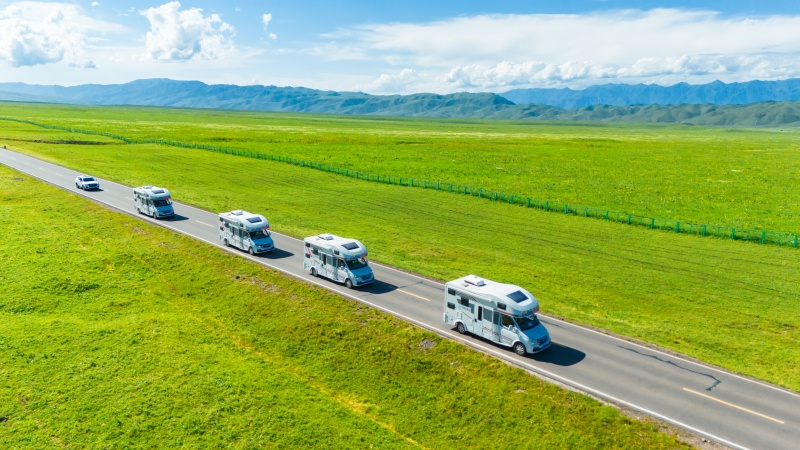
(728, 177)
(730, 303)
(118, 334)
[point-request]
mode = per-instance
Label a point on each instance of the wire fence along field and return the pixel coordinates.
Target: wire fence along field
(739, 234)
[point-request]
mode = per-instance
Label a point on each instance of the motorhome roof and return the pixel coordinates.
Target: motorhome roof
(250, 221)
(513, 296)
(347, 248)
(154, 192)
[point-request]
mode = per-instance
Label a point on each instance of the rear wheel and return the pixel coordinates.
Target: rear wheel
(461, 328)
(348, 283)
(225, 242)
(313, 272)
(519, 349)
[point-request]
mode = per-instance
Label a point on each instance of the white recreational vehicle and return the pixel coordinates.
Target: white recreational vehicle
(153, 201)
(337, 258)
(245, 231)
(503, 313)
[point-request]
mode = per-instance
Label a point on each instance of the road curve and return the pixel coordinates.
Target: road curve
(727, 408)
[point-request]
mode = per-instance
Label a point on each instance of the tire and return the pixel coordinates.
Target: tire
(520, 349)
(313, 272)
(250, 250)
(461, 328)
(348, 283)
(225, 242)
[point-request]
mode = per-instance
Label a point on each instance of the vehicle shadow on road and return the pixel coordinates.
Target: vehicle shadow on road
(378, 287)
(560, 355)
(277, 254)
(177, 218)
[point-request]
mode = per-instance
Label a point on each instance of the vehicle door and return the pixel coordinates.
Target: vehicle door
(508, 330)
(485, 321)
(496, 325)
(341, 269)
(238, 238)
(467, 310)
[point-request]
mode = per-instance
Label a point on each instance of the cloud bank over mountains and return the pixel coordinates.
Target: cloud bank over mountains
(491, 52)
(662, 46)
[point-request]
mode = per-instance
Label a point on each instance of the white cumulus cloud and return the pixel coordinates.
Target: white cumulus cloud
(34, 33)
(512, 50)
(185, 35)
(266, 19)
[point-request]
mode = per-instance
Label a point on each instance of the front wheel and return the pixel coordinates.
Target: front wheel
(519, 349)
(348, 283)
(250, 250)
(461, 328)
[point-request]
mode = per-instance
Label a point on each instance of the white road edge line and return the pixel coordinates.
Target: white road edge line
(203, 223)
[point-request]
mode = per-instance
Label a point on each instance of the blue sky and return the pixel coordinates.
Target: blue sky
(400, 47)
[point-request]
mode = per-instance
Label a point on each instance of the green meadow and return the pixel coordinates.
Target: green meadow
(115, 333)
(730, 303)
(726, 177)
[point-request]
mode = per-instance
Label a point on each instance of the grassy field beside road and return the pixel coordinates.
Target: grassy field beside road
(728, 177)
(115, 333)
(729, 303)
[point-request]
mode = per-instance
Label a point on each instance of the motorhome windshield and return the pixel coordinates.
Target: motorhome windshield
(354, 264)
(162, 202)
(526, 323)
(258, 234)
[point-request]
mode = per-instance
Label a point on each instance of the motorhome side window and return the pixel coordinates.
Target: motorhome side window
(451, 305)
(507, 321)
(480, 313)
(463, 301)
(451, 291)
(501, 306)
(315, 250)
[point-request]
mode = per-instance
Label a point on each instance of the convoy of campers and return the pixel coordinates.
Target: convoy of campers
(502, 313)
(245, 231)
(153, 201)
(339, 259)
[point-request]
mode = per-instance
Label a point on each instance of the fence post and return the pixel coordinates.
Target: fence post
(763, 236)
(704, 230)
(495, 196)
(652, 222)
(629, 219)
(547, 206)
(678, 226)
(606, 214)
(566, 208)
(511, 201)
(529, 202)
(585, 212)
(733, 233)
(465, 190)
(795, 241)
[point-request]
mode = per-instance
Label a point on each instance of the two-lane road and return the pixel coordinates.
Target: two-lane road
(723, 407)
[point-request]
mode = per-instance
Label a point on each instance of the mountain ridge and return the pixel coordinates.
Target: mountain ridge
(196, 94)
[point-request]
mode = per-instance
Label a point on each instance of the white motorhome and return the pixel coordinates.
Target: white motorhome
(245, 231)
(340, 259)
(502, 313)
(153, 201)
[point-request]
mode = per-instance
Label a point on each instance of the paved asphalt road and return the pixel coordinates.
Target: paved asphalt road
(720, 406)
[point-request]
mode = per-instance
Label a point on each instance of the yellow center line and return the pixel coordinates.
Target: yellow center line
(413, 295)
(735, 406)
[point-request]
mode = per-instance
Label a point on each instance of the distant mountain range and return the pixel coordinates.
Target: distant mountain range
(757, 103)
(716, 93)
